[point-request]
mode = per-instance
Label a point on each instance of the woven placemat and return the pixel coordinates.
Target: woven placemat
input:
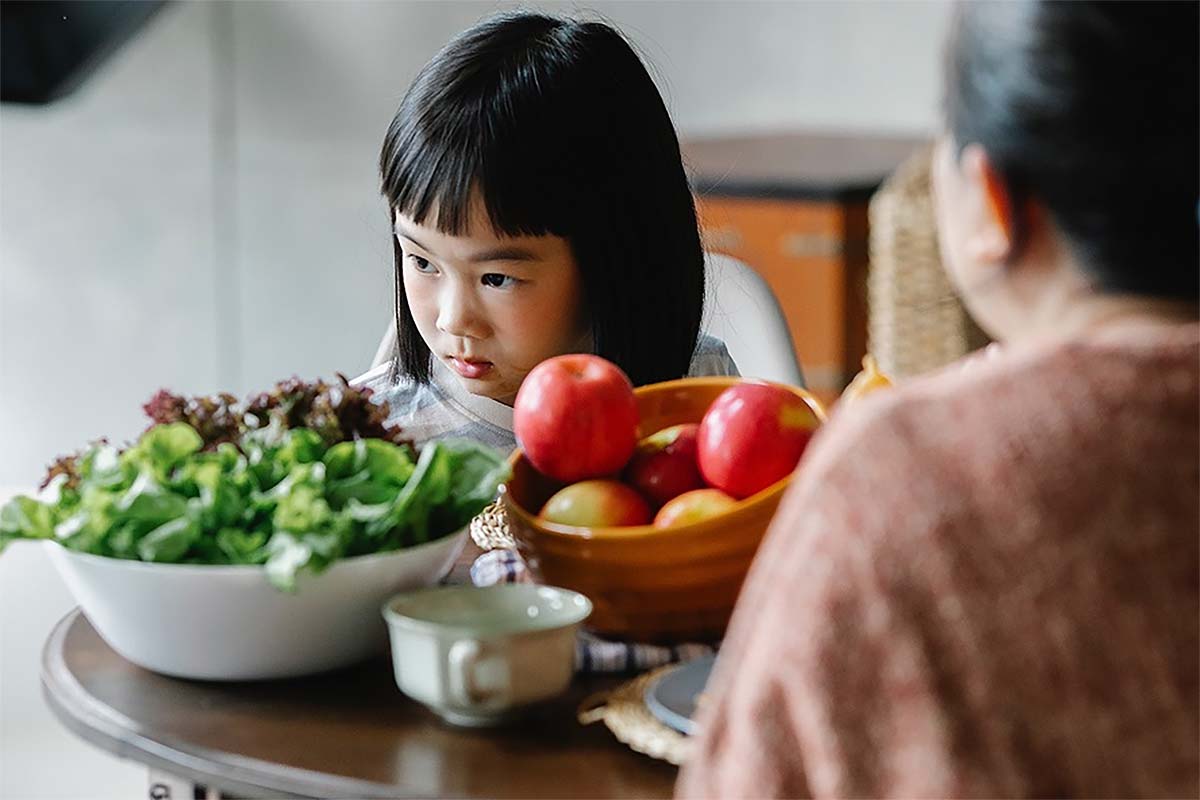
(624, 711)
(489, 529)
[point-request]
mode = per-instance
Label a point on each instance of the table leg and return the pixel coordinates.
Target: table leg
(165, 786)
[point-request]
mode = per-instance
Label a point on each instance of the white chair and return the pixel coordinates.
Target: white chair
(740, 310)
(387, 346)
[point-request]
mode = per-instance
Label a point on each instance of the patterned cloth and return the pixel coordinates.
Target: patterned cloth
(985, 583)
(592, 654)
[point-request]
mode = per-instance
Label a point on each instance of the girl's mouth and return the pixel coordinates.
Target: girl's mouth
(470, 369)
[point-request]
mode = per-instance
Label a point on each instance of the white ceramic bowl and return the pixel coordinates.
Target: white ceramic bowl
(229, 623)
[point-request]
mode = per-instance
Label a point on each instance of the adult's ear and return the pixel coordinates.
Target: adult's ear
(993, 233)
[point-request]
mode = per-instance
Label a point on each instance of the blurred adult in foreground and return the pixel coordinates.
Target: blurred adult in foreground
(984, 583)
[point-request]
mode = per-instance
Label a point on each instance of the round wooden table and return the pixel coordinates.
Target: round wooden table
(349, 733)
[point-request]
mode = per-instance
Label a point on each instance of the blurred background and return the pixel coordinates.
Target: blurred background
(198, 209)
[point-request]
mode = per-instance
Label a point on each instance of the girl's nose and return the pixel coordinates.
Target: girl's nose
(457, 313)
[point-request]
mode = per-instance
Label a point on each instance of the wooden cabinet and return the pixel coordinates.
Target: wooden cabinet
(794, 207)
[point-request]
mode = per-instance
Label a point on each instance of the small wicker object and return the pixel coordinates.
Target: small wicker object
(489, 529)
(916, 321)
(624, 711)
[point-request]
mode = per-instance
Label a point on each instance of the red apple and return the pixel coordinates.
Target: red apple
(575, 418)
(596, 504)
(693, 506)
(664, 464)
(752, 435)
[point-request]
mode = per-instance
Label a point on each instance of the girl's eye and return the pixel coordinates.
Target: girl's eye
(498, 281)
(421, 264)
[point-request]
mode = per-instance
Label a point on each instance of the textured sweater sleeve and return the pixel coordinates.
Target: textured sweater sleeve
(983, 584)
(798, 704)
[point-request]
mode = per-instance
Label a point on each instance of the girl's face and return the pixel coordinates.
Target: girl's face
(490, 307)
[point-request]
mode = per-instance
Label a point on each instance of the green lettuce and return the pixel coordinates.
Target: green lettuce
(279, 497)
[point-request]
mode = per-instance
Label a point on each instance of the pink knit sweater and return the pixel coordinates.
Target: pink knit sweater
(982, 584)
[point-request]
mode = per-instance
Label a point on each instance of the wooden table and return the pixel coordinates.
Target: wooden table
(343, 734)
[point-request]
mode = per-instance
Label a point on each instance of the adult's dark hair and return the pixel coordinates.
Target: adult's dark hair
(1092, 109)
(559, 128)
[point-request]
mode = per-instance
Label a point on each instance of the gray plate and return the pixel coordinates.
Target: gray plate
(672, 698)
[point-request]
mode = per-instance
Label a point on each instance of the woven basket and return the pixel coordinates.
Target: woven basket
(916, 322)
(625, 713)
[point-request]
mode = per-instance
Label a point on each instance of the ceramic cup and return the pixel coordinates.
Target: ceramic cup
(477, 656)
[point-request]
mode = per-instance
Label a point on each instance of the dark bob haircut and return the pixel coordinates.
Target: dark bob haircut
(558, 127)
(1092, 109)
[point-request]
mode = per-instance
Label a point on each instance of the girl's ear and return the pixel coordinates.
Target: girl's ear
(990, 212)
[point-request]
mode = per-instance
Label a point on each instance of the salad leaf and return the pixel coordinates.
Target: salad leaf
(331, 412)
(216, 418)
(25, 518)
(266, 491)
(242, 547)
(476, 472)
(169, 541)
(164, 446)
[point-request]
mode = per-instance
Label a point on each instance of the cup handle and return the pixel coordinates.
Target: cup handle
(464, 655)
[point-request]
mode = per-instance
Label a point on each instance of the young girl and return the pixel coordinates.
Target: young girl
(540, 207)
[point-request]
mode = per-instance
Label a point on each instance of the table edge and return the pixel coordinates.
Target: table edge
(108, 729)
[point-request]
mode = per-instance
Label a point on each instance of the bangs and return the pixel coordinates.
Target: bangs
(435, 178)
(465, 133)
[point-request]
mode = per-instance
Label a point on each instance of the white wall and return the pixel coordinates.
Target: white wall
(203, 214)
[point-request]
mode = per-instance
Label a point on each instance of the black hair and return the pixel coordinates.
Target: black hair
(557, 125)
(1093, 110)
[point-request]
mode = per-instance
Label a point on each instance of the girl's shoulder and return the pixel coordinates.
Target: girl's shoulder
(375, 379)
(405, 397)
(711, 357)
(427, 413)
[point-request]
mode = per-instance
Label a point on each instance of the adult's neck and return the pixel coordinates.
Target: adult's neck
(1060, 301)
(1098, 313)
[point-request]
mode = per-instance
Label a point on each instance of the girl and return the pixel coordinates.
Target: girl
(984, 583)
(540, 207)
